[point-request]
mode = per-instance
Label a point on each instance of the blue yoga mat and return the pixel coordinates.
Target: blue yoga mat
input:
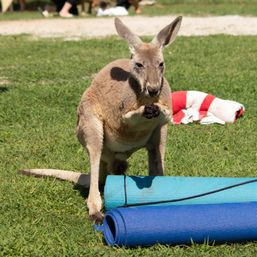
(181, 224)
(150, 189)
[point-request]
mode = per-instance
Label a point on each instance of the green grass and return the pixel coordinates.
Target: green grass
(162, 7)
(41, 83)
(203, 7)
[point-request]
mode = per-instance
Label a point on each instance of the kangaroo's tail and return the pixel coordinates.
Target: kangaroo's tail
(75, 177)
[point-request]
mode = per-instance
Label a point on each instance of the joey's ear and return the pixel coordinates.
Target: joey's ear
(168, 34)
(132, 40)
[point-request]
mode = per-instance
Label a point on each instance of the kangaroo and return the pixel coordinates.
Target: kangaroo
(127, 107)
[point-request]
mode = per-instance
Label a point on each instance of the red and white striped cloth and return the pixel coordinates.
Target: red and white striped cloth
(190, 106)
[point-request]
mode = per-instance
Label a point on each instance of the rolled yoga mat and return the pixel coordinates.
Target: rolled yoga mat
(181, 224)
(151, 189)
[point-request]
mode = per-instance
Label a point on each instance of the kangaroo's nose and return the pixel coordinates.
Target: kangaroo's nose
(153, 92)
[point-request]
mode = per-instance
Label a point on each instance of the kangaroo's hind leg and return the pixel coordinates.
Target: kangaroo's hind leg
(90, 135)
(156, 151)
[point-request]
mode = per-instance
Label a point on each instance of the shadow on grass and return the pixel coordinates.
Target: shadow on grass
(84, 191)
(3, 89)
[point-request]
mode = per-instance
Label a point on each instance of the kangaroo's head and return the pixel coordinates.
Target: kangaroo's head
(147, 64)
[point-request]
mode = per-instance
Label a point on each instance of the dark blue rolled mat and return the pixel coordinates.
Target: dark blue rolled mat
(181, 224)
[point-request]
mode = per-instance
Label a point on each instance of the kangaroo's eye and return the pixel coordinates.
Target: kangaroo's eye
(161, 64)
(139, 65)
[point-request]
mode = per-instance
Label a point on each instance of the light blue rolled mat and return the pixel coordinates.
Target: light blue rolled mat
(144, 189)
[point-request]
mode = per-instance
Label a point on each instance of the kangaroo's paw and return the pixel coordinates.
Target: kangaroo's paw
(151, 111)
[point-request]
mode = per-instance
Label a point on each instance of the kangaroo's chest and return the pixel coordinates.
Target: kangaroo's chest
(129, 138)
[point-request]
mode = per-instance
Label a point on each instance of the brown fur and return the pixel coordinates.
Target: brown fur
(127, 107)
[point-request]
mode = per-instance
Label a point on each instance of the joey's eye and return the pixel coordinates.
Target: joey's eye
(139, 65)
(161, 64)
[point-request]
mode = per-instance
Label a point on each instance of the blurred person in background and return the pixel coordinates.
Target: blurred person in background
(128, 3)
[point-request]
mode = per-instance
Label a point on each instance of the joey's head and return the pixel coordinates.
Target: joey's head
(147, 64)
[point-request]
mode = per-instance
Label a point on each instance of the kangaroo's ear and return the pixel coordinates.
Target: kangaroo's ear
(132, 40)
(168, 34)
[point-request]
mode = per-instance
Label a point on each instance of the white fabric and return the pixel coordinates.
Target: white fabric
(219, 111)
(115, 11)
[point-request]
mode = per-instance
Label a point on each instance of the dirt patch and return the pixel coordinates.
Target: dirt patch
(141, 25)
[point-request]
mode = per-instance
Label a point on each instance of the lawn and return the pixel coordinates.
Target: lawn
(41, 83)
(162, 7)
